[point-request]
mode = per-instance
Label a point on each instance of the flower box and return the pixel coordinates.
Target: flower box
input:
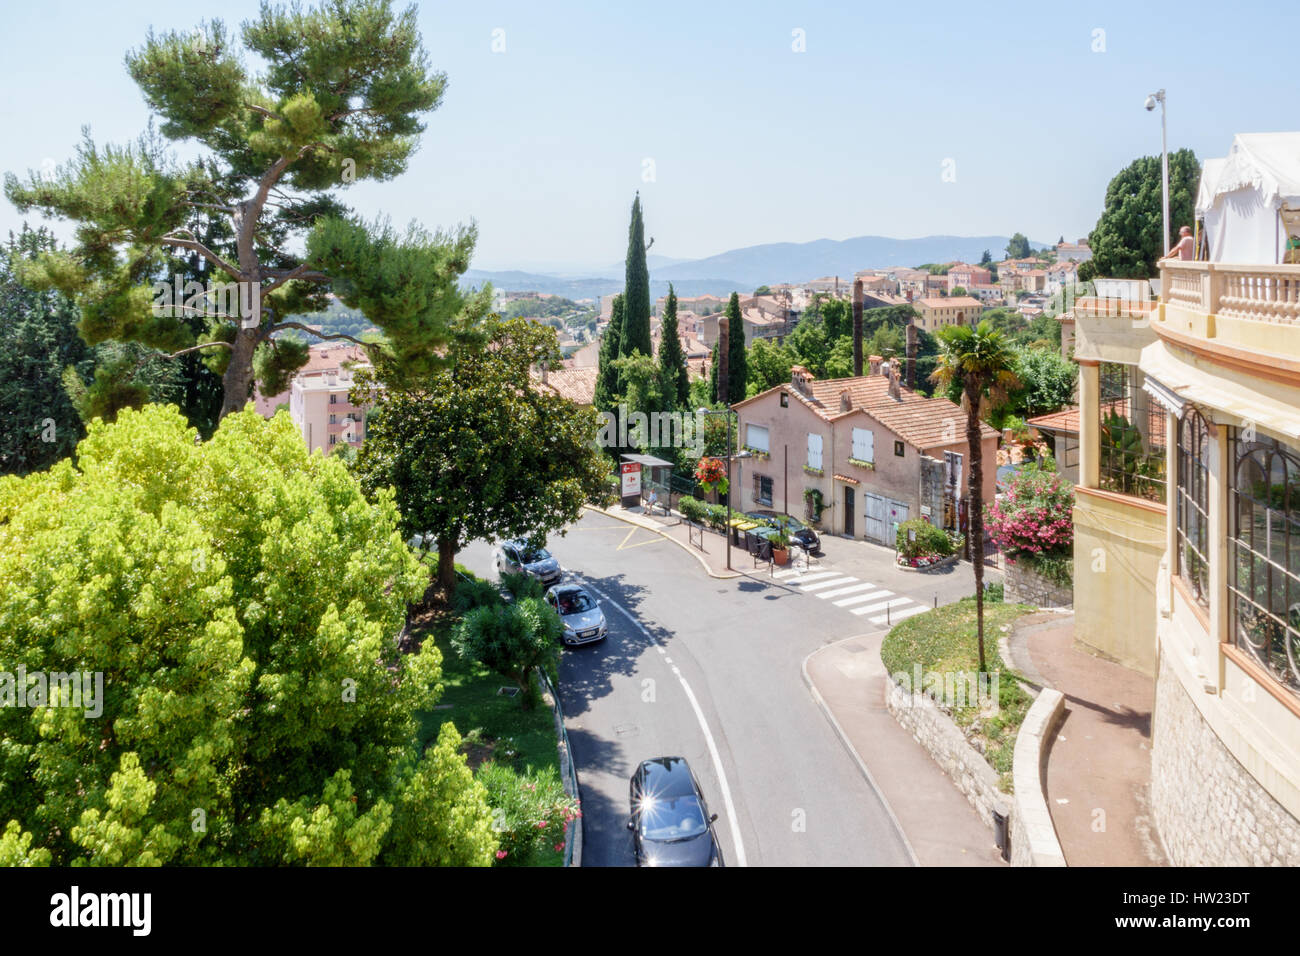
(814, 471)
(862, 463)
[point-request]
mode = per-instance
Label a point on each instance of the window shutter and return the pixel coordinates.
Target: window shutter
(814, 450)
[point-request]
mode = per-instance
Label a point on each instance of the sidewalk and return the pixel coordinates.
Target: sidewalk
(942, 827)
(1099, 767)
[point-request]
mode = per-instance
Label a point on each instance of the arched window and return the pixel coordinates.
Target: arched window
(1193, 510)
(1264, 575)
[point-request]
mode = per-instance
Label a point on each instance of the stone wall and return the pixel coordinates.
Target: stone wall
(936, 732)
(1025, 586)
(1033, 834)
(1208, 808)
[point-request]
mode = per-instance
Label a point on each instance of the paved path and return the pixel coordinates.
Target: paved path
(1099, 767)
(941, 825)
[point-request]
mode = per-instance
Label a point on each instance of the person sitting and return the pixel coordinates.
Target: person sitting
(1185, 247)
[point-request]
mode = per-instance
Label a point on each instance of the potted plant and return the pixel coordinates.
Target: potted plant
(781, 547)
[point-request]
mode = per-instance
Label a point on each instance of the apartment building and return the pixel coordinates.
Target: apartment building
(965, 276)
(318, 398)
(935, 313)
(1187, 546)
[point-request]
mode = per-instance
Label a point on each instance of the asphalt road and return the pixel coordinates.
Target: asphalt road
(710, 670)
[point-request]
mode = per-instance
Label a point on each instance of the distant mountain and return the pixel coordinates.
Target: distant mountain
(743, 270)
(588, 288)
(777, 262)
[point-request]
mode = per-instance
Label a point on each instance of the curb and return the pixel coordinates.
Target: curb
(573, 832)
(1033, 819)
(689, 550)
(844, 739)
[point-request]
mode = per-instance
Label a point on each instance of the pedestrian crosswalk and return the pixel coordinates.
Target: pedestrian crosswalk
(858, 597)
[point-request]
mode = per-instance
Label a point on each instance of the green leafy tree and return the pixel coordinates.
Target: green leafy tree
(736, 373)
(476, 451)
(1047, 379)
(609, 389)
(514, 640)
(337, 97)
(241, 600)
(1127, 241)
(763, 290)
(672, 360)
(979, 360)
(809, 346)
(767, 365)
(635, 335)
(837, 316)
(1018, 247)
(986, 260)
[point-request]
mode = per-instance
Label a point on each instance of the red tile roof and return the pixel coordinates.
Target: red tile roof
(575, 384)
(1066, 420)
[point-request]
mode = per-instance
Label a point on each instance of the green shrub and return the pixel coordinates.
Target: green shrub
(717, 517)
(918, 538)
(993, 593)
(692, 509)
(475, 592)
(520, 585)
(512, 640)
(529, 810)
(1056, 568)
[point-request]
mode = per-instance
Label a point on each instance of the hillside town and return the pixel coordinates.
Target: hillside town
(317, 551)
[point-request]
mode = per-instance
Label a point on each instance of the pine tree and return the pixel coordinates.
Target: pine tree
(736, 370)
(713, 377)
(608, 387)
(672, 360)
(636, 293)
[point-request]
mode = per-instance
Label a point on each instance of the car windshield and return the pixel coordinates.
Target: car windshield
(534, 555)
(575, 602)
(676, 818)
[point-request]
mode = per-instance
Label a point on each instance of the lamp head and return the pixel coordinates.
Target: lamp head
(1150, 103)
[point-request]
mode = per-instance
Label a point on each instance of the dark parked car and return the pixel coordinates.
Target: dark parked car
(798, 532)
(518, 556)
(583, 619)
(671, 824)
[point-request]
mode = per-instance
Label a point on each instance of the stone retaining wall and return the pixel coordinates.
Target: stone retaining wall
(935, 731)
(1209, 809)
(1026, 586)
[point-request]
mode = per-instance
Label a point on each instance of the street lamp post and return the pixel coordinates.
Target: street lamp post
(1152, 100)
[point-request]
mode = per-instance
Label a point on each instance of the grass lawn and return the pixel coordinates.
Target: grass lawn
(944, 641)
(494, 727)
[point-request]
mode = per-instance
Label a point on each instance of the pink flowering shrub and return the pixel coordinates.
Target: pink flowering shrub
(1032, 518)
(530, 812)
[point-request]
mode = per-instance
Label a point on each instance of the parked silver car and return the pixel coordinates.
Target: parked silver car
(580, 612)
(515, 557)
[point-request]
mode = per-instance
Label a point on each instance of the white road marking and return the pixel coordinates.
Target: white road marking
(864, 586)
(859, 598)
(896, 616)
(704, 726)
(833, 582)
(786, 573)
(881, 606)
(815, 576)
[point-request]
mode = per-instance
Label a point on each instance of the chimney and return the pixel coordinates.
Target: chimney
(857, 326)
(874, 363)
(846, 400)
(911, 356)
(724, 347)
(544, 370)
(894, 391)
(799, 379)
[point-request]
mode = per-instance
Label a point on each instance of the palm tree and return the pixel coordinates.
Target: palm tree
(980, 360)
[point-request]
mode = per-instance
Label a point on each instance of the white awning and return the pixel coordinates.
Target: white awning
(1163, 394)
(1179, 381)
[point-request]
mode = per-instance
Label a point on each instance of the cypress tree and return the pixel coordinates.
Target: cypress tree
(606, 395)
(713, 376)
(672, 360)
(636, 292)
(736, 371)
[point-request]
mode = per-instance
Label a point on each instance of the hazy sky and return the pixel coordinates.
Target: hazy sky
(545, 143)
